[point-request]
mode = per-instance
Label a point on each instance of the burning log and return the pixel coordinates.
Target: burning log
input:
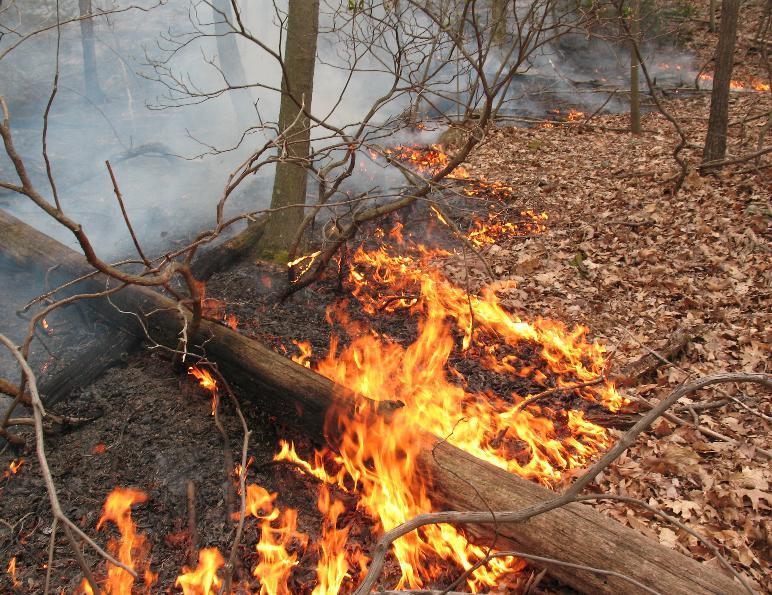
(459, 481)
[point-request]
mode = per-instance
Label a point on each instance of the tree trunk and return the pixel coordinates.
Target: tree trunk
(575, 533)
(715, 142)
(635, 101)
(93, 90)
(231, 63)
(712, 16)
(289, 186)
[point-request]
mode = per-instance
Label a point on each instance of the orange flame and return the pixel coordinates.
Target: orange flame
(333, 568)
(203, 580)
(426, 160)
(12, 572)
(13, 468)
(132, 549)
(206, 381)
(278, 531)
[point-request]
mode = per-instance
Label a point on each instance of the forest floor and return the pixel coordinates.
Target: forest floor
(619, 254)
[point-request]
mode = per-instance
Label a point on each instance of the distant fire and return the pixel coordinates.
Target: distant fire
(735, 85)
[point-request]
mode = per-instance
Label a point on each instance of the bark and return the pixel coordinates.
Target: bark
(289, 187)
(715, 142)
(575, 533)
(93, 90)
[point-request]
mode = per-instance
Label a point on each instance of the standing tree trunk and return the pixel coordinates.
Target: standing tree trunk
(93, 90)
(712, 16)
(289, 186)
(715, 142)
(635, 100)
(230, 61)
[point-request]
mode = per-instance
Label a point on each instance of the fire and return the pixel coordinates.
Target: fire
(333, 568)
(426, 160)
(206, 380)
(278, 532)
(734, 85)
(13, 468)
(377, 459)
(574, 115)
(12, 572)
(132, 549)
(759, 85)
(203, 580)
(483, 234)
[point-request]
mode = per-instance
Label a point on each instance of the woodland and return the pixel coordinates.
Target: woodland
(385, 296)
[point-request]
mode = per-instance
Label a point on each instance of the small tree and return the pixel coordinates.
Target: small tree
(715, 142)
(289, 186)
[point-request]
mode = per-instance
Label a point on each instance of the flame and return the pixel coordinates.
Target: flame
(203, 580)
(13, 468)
(206, 380)
(735, 85)
(574, 115)
(310, 258)
(12, 572)
(759, 85)
(132, 549)
(333, 568)
(278, 531)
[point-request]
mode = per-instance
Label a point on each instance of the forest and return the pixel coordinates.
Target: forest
(385, 296)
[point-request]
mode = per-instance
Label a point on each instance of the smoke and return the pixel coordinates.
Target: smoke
(166, 145)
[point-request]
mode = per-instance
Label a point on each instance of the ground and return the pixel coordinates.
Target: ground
(620, 254)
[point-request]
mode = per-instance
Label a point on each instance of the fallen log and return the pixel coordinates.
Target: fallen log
(221, 256)
(575, 533)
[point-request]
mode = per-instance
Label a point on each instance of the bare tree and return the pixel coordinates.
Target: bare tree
(715, 142)
(290, 181)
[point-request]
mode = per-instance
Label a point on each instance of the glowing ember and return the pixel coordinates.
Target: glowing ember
(12, 572)
(203, 580)
(132, 549)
